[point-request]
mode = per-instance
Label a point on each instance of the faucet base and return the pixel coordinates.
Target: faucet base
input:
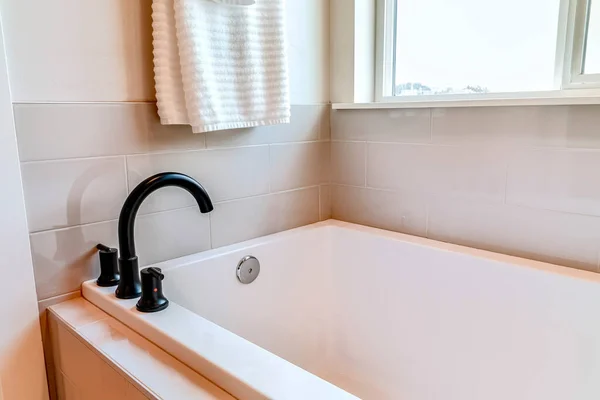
(129, 287)
(154, 307)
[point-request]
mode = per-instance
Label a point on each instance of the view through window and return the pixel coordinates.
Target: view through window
(592, 53)
(480, 46)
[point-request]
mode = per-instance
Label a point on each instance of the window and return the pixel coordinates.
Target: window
(469, 48)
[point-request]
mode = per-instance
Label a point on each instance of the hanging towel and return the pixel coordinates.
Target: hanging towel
(218, 65)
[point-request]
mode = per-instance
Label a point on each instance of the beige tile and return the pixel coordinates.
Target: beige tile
(379, 209)
(93, 377)
(405, 126)
(80, 316)
(82, 51)
(225, 173)
(57, 131)
(78, 312)
(424, 169)
(54, 131)
(170, 137)
(64, 258)
(239, 220)
(66, 389)
(296, 165)
(160, 373)
(308, 122)
(325, 129)
(171, 234)
(72, 192)
(77, 362)
(348, 163)
(324, 202)
(562, 180)
(325, 162)
(134, 394)
(559, 238)
(44, 304)
(569, 126)
(109, 385)
(399, 167)
(53, 301)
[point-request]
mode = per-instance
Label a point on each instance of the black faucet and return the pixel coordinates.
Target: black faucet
(129, 286)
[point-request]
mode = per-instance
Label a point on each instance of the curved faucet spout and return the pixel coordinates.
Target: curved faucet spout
(129, 287)
(143, 190)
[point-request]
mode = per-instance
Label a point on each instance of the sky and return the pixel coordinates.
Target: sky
(593, 44)
(507, 45)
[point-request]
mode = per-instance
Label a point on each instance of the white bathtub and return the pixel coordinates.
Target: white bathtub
(379, 315)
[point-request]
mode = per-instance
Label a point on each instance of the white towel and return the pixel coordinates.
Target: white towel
(220, 66)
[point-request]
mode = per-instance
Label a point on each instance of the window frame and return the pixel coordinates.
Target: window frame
(571, 37)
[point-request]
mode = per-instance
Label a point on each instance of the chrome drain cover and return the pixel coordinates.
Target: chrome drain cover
(248, 269)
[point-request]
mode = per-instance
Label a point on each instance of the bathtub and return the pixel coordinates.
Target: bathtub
(342, 311)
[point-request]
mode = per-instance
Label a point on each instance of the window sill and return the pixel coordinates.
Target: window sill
(557, 98)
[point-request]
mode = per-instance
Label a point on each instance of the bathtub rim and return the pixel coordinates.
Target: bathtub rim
(164, 334)
(488, 255)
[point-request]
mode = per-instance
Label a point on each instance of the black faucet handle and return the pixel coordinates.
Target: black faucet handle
(109, 267)
(155, 272)
(103, 247)
(152, 299)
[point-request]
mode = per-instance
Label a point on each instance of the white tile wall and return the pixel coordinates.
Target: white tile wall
(79, 51)
(239, 220)
(101, 50)
(518, 180)
(560, 238)
(171, 234)
(349, 163)
(308, 123)
(298, 165)
(73, 192)
(80, 160)
(63, 258)
(562, 180)
(435, 169)
(59, 131)
(225, 173)
(324, 202)
(380, 209)
(558, 126)
(405, 126)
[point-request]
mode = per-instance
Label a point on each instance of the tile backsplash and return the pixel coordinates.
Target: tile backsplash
(518, 180)
(80, 160)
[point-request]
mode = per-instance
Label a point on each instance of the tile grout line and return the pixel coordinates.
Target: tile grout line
(64, 228)
(427, 211)
(167, 152)
(431, 125)
(505, 183)
(60, 295)
(270, 169)
(366, 155)
(126, 174)
(216, 148)
(320, 195)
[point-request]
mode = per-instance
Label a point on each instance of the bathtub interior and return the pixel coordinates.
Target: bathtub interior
(385, 317)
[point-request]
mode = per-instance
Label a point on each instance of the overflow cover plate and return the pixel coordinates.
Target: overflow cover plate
(248, 269)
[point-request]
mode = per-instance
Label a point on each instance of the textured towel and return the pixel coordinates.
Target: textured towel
(220, 66)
